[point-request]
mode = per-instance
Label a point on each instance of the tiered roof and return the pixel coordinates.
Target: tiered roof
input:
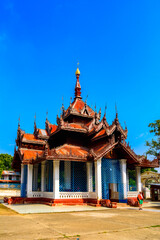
(80, 135)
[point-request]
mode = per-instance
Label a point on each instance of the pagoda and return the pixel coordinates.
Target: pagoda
(80, 160)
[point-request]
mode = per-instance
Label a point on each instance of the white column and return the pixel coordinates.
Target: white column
(98, 179)
(29, 180)
(56, 179)
(138, 179)
(42, 175)
(127, 180)
(89, 177)
(124, 176)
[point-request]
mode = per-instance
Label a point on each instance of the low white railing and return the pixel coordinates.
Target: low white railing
(35, 194)
(66, 195)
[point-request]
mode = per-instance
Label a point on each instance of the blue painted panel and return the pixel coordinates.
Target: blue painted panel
(111, 174)
(50, 183)
(10, 185)
(78, 177)
(24, 182)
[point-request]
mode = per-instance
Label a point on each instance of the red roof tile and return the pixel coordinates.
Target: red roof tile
(73, 150)
(53, 126)
(78, 105)
(100, 133)
(31, 137)
(31, 154)
(75, 125)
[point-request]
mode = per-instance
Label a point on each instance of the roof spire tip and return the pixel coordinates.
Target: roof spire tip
(78, 86)
(77, 71)
(19, 122)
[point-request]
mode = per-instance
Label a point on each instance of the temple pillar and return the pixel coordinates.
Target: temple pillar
(42, 176)
(98, 178)
(138, 178)
(123, 167)
(89, 177)
(56, 179)
(29, 180)
(127, 180)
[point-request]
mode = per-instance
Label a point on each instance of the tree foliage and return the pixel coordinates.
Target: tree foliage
(154, 145)
(5, 162)
(148, 169)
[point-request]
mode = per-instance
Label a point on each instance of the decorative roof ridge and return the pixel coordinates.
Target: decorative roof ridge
(128, 148)
(36, 141)
(118, 126)
(29, 149)
(70, 145)
(85, 109)
(140, 159)
(153, 163)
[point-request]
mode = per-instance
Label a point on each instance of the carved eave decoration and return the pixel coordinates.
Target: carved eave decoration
(62, 125)
(20, 134)
(47, 128)
(40, 136)
(146, 163)
(15, 162)
(97, 127)
(75, 113)
(53, 155)
(129, 151)
(36, 130)
(85, 111)
(38, 141)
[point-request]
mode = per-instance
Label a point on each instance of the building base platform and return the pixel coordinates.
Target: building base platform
(53, 202)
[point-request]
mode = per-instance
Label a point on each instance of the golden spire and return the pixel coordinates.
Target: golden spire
(77, 71)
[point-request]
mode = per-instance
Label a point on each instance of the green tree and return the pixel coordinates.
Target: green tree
(5, 162)
(154, 145)
(148, 169)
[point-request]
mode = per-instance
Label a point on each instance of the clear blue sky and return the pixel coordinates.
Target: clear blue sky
(117, 44)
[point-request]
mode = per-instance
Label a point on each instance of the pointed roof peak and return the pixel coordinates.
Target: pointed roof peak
(78, 86)
(77, 71)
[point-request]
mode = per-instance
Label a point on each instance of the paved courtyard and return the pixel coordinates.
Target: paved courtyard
(122, 224)
(41, 208)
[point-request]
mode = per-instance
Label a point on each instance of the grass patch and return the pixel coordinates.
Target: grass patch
(155, 226)
(6, 211)
(65, 236)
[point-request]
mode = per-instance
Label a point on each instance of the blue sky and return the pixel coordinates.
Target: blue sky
(117, 44)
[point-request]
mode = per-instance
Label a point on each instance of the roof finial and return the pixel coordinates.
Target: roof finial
(95, 108)
(35, 120)
(19, 122)
(77, 71)
(86, 99)
(105, 110)
(70, 101)
(78, 86)
(62, 106)
(116, 111)
(47, 115)
(125, 124)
